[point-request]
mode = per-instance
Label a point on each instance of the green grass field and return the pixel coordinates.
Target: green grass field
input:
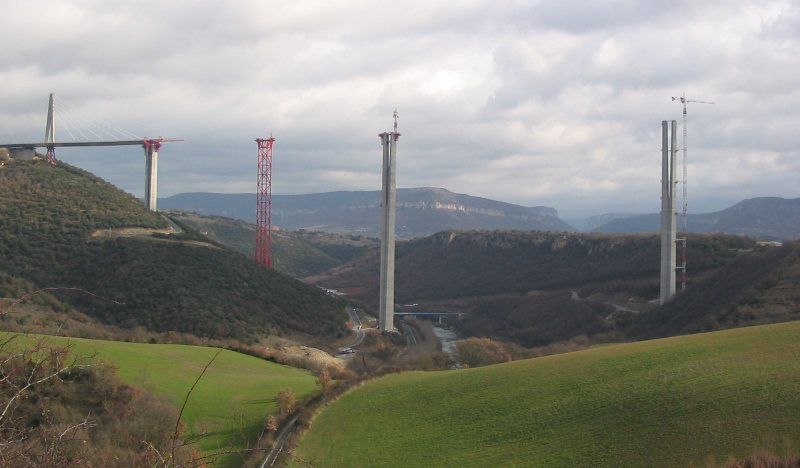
(695, 399)
(231, 401)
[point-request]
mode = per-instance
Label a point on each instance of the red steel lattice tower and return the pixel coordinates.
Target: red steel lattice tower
(262, 254)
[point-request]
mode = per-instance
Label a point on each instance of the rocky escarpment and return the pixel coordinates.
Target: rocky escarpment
(420, 212)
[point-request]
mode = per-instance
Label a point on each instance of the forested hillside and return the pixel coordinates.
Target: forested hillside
(296, 253)
(539, 288)
(61, 226)
(454, 264)
(759, 287)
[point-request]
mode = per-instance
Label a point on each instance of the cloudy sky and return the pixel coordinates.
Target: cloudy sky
(532, 102)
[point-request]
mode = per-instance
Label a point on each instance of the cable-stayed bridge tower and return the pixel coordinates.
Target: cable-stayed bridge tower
(93, 133)
(50, 131)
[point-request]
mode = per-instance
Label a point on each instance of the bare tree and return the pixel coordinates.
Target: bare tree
(24, 368)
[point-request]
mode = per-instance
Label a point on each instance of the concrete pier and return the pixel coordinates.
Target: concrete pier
(388, 224)
(151, 148)
(669, 220)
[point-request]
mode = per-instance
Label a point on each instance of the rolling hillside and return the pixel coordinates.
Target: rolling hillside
(296, 253)
(690, 400)
(228, 407)
(766, 218)
(61, 226)
(420, 211)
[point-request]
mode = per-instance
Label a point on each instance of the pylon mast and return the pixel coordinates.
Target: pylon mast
(263, 255)
(50, 131)
(685, 214)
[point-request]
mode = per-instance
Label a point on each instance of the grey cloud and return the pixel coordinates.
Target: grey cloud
(553, 103)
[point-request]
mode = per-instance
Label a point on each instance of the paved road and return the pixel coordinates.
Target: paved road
(175, 228)
(283, 434)
(411, 338)
(617, 308)
(360, 333)
(280, 441)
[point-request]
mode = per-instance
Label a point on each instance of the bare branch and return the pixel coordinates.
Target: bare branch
(29, 385)
(11, 338)
(84, 423)
(55, 356)
(186, 400)
(155, 450)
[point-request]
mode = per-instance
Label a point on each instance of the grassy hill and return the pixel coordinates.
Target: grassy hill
(228, 407)
(296, 253)
(49, 221)
(671, 402)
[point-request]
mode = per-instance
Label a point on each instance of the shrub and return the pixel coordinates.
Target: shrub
(324, 380)
(286, 402)
(476, 352)
(73, 411)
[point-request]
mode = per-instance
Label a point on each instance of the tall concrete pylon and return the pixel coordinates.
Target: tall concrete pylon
(669, 219)
(50, 125)
(388, 225)
(50, 131)
(151, 148)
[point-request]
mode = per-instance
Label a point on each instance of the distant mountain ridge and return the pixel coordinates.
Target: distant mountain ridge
(593, 222)
(771, 218)
(420, 211)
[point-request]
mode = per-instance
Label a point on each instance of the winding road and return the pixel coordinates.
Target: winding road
(411, 338)
(280, 441)
(283, 434)
(617, 308)
(360, 333)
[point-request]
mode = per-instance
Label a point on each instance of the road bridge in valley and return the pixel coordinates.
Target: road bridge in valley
(429, 314)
